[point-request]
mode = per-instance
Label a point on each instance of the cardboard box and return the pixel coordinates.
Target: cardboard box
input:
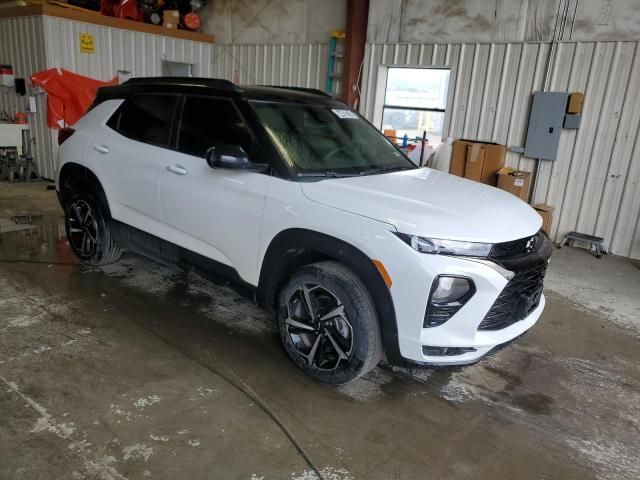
(515, 181)
(391, 134)
(479, 161)
(576, 100)
(546, 212)
(170, 18)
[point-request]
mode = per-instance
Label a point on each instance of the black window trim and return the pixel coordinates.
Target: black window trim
(118, 112)
(420, 109)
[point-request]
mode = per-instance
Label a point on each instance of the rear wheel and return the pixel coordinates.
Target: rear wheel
(328, 323)
(88, 230)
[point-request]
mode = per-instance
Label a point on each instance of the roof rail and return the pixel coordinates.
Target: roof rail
(314, 91)
(209, 82)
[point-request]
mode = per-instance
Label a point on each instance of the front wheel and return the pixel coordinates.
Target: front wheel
(88, 230)
(328, 323)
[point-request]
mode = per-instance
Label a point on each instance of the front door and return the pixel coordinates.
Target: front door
(214, 212)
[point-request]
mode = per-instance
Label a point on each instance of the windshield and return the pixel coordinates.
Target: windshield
(321, 140)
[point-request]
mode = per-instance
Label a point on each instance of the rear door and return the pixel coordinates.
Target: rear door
(133, 152)
(214, 212)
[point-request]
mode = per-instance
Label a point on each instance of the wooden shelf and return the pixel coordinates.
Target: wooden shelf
(97, 19)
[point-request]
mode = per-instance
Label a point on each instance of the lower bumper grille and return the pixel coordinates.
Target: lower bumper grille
(517, 300)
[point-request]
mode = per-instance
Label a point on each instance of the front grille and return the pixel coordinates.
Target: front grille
(517, 248)
(517, 300)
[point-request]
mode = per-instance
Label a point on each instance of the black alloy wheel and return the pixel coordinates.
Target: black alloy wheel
(84, 235)
(318, 327)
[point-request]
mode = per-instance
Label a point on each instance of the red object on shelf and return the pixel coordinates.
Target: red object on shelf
(69, 95)
(20, 117)
(191, 21)
(126, 9)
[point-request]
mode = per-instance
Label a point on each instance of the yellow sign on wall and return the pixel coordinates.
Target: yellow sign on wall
(87, 44)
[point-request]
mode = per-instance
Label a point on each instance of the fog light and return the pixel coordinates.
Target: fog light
(430, 351)
(448, 295)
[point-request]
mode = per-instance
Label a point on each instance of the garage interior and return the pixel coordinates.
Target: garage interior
(144, 370)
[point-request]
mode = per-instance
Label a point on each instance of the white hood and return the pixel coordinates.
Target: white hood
(431, 204)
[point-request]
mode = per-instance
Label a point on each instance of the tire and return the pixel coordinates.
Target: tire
(343, 340)
(90, 238)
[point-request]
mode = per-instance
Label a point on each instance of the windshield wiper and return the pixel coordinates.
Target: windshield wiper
(385, 169)
(328, 173)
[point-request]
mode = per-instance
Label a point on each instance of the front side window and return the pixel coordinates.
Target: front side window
(324, 140)
(146, 118)
(208, 122)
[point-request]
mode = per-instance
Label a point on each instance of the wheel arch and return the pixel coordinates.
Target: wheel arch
(84, 175)
(294, 248)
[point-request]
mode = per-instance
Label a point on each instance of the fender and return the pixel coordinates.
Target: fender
(76, 170)
(296, 247)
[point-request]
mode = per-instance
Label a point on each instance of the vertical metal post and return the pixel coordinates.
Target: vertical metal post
(333, 42)
(357, 18)
(422, 144)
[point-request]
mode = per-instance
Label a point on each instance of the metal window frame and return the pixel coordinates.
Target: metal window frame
(399, 107)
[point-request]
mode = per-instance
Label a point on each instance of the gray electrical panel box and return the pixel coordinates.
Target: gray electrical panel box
(545, 124)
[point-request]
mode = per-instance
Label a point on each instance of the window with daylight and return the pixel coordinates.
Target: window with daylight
(415, 101)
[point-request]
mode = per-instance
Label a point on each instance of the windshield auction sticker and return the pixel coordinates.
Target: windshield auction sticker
(344, 113)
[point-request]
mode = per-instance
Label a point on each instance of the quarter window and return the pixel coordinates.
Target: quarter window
(146, 118)
(208, 122)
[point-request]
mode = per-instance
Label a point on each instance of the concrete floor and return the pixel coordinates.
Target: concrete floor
(143, 371)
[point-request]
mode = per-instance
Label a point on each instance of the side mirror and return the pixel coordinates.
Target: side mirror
(232, 157)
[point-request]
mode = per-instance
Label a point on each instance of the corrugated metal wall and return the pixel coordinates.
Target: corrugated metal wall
(22, 46)
(594, 183)
(291, 65)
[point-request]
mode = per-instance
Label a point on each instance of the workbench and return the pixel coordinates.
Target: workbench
(11, 135)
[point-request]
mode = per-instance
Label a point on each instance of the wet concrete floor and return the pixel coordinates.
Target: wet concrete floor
(139, 370)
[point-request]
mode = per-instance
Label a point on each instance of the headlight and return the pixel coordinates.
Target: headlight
(436, 246)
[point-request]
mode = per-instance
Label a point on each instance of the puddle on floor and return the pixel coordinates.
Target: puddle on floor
(42, 240)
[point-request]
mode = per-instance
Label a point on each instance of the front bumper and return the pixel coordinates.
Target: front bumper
(413, 273)
(485, 342)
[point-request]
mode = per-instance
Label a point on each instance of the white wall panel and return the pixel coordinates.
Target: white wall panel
(595, 182)
(117, 49)
(22, 46)
(291, 65)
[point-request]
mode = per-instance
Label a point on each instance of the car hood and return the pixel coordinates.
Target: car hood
(430, 203)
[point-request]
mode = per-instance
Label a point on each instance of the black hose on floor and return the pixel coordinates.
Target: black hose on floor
(247, 391)
(39, 262)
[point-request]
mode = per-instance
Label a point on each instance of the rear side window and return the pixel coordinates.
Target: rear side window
(145, 118)
(208, 122)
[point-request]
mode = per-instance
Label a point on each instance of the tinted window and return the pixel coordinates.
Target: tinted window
(208, 122)
(146, 118)
(318, 139)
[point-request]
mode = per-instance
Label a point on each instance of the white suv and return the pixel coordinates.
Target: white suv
(294, 195)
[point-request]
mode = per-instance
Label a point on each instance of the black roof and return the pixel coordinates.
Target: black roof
(219, 86)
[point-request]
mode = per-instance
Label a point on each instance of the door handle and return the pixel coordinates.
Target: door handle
(101, 148)
(177, 169)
